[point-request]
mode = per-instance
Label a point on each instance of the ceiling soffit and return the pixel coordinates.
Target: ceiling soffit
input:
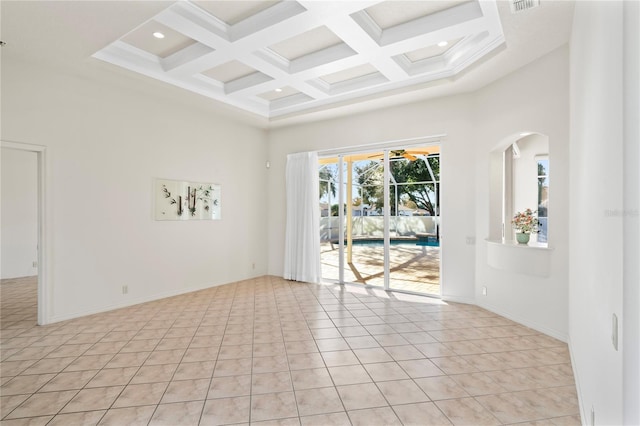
(280, 58)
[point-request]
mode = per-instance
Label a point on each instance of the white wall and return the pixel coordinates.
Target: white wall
(598, 143)
(451, 116)
(631, 166)
(533, 99)
(19, 233)
(107, 136)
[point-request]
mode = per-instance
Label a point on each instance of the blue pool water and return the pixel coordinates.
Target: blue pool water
(395, 242)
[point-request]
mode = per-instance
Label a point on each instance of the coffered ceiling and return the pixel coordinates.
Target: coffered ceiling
(278, 63)
(275, 58)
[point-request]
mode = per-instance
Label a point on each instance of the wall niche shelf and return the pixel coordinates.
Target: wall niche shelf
(523, 259)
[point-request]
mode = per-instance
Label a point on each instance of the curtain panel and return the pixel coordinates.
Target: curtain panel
(302, 235)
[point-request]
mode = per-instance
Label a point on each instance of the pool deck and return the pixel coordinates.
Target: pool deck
(413, 268)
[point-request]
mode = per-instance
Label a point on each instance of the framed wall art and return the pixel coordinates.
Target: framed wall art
(183, 200)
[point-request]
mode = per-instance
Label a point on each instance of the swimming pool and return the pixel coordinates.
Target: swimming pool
(412, 242)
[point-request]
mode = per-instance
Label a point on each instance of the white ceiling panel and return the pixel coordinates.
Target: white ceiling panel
(281, 92)
(232, 12)
(229, 71)
(349, 74)
(391, 13)
(306, 43)
(143, 39)
(431, 51)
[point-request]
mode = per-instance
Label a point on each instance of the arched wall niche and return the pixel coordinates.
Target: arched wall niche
(516, 183)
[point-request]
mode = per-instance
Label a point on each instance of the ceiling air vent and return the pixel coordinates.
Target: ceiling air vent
(518, 6)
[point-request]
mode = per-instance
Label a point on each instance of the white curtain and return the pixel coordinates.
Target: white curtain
(302, 237)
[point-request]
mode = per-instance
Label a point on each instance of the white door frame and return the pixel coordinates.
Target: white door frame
(43, 296)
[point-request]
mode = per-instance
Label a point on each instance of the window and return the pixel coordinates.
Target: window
(525, 184)
(543, 197)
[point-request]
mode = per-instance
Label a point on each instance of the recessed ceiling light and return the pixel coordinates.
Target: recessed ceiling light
(443, 43)
(158, 34)
(278, 90)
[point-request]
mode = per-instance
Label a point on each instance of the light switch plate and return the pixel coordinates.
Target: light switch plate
(614, 332)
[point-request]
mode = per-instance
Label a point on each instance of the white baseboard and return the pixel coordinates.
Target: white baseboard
(584, 415)
(456, 299)
(130, 302)
(562, 336)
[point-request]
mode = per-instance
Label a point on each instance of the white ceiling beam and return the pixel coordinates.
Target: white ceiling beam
(365, 81)
(359, 40)
(265, 19)
(488, 43)
(321, 57)
(187, 56)
(249, 41)
(278, 74)
(195, 23)
(288, 101)
(247, 81)
(127, 56)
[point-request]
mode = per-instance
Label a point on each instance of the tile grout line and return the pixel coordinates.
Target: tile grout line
(540, 360)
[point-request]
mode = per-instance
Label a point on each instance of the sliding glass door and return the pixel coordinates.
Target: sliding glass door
(380, 219)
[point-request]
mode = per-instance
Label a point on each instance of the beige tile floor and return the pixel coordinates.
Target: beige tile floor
(269, 351)
(413, 268)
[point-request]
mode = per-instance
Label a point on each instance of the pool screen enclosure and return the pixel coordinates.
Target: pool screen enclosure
(380, 217)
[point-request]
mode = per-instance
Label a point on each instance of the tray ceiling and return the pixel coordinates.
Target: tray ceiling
(275, 58)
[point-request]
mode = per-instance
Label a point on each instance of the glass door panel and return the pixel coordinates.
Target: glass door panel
(329, 220)
(414, 251)
(364, 221)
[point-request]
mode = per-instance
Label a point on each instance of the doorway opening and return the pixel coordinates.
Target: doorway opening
(23, 221)
(380, 218)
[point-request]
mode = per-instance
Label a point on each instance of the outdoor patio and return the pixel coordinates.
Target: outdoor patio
(413, 268)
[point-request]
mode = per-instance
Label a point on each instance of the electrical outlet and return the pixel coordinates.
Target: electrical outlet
(253, 265)
(484, 290)
(125, 289)
(471, 241)
(34, 264)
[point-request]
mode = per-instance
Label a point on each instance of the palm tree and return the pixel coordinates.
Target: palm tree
(327, 181)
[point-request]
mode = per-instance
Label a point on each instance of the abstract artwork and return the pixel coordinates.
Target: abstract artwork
(182, 200)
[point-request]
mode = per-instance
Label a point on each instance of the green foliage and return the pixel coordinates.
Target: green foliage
(411, 173)
(541, 170)
(542, 183)
(327, 181)
(335, 210)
